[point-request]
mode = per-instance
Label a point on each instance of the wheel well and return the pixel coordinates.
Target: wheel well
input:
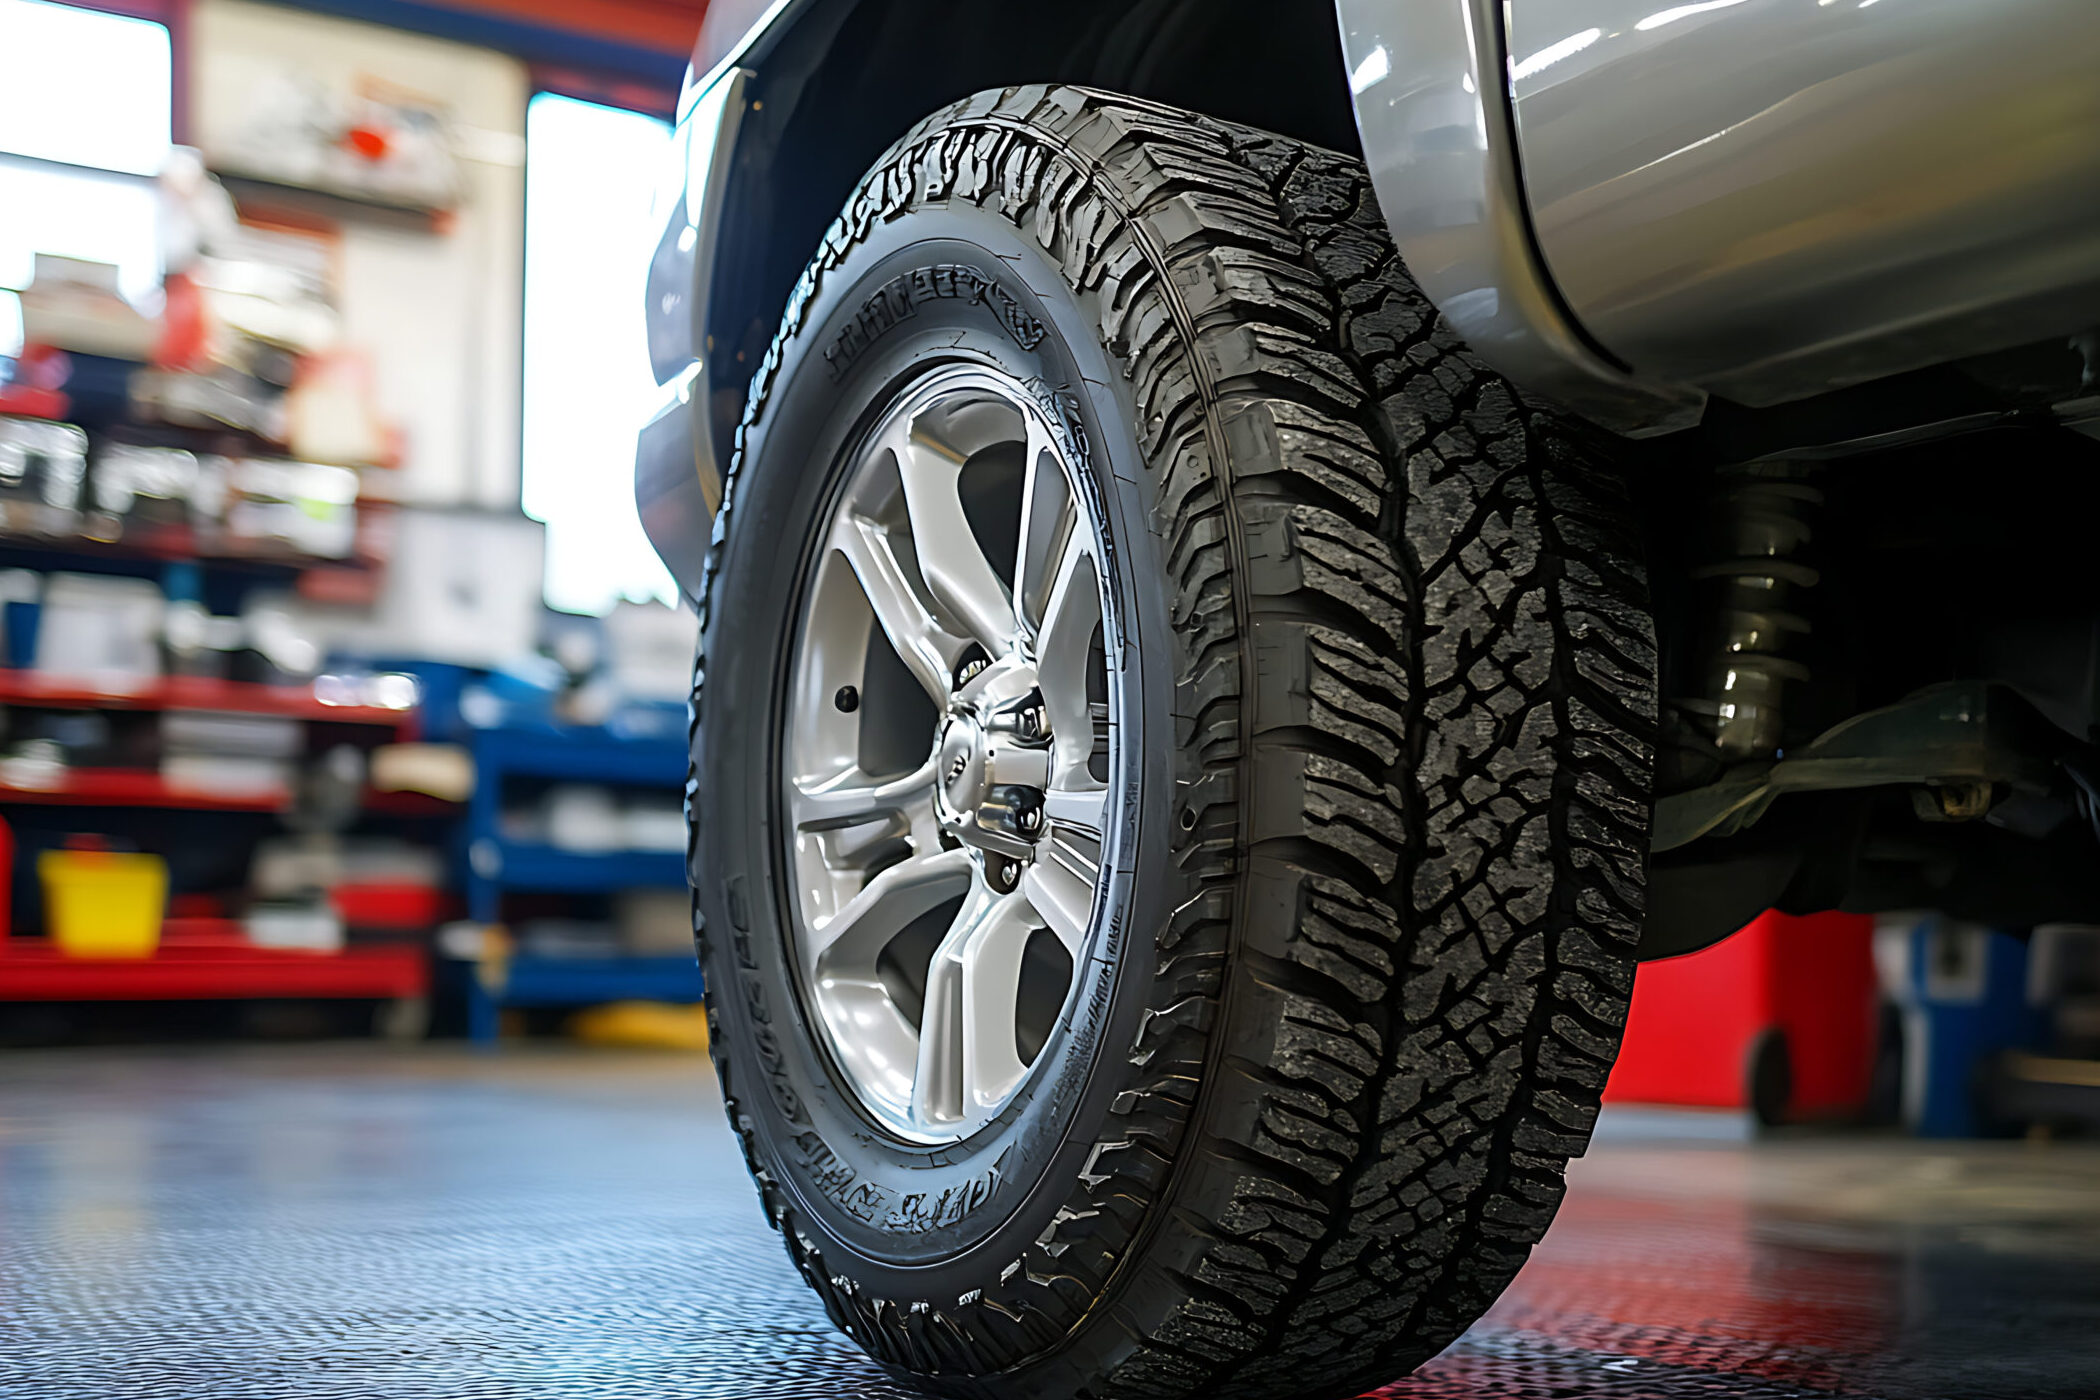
(847, 77)
(1948, 564)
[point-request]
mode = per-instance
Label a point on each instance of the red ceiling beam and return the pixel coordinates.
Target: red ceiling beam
(666, 26)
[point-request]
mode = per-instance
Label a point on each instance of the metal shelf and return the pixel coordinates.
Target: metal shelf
(497, 865)
(528, 981)
(129, 787)
(190, 693)
(518, 865)
(579, 756)
(210, 960)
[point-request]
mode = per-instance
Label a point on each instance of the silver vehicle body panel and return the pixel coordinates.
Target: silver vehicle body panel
(677, 481)
(1630, 205)
(732, 47)
(1774, 198)
(1762, 199)
(1435, 121)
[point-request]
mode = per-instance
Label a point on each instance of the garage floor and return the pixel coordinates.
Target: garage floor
(326, 1223)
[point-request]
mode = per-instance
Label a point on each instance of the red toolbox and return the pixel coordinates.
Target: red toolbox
(1780, 1019)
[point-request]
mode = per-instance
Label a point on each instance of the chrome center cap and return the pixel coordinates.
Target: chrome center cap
(963, 780)
(991, 765)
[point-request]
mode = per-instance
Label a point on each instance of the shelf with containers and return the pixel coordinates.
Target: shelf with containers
(208, 959)
(568, 815)
(206, 776)
(336, 699)
(224, 512)
(61, 785)
(178, 489)
(180, 538)
(255, 741)
(165, 517)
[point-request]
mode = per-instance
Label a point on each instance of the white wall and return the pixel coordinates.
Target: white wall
(438, 313)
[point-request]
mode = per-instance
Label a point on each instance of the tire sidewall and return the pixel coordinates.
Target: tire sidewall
(945, 283)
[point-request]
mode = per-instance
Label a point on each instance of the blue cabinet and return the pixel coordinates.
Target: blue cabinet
(497, 864)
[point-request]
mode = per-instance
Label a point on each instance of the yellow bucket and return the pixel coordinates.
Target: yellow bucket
(103, 904)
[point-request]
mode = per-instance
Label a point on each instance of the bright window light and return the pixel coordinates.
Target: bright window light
(101, 218)
(78, 214)
(84, 88)
(81, 93)
(589, 174)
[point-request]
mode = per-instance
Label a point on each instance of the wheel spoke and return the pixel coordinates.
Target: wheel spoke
(1048, 519)
(936, 1086)
(1072, 607)
(858, 932)
(929, 650)
(1063, 652)
(937, 1083)
(1060, 883)
(968, 1057)
(991, 986)
(956, 572)
(853, 798)
(1079, 810)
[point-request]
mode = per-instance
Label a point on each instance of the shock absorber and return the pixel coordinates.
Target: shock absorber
(1755, 584)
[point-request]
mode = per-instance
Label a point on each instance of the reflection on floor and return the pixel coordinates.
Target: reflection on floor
(356, 1222)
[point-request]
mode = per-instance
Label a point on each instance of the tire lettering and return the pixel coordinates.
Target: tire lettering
(923, 1211)
(836, 1178)
(898, 300)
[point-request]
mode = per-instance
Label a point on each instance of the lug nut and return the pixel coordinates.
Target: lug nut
(1030, 820)
(847, 700)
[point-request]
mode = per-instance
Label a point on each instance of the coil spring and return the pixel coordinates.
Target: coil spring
(1756, 586)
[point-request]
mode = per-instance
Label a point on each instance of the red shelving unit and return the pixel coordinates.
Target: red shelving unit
(208, 959)
(176, 543)
(410, 804)
(141, 787)
(130, 787)
(191, 693)
(26, 401)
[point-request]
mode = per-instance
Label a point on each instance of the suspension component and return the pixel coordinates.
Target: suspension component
(1756, 587)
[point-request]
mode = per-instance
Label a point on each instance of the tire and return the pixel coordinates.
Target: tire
(1769, 1077)
(1367, 919)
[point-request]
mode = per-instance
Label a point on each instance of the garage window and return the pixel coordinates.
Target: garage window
(85, 108)
(589, 172)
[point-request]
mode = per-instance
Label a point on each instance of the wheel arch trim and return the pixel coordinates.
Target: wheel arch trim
(677, 477)
(1441, 144)
(1429, 79)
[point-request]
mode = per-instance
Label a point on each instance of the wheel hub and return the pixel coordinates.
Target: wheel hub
(963, 785)
(993, 761)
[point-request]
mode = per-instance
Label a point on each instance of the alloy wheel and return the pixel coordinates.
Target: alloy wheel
(949, 752)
